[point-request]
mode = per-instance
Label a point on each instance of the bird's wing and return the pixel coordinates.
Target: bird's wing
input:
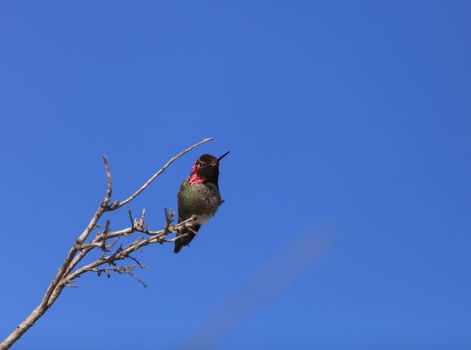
(181, 217)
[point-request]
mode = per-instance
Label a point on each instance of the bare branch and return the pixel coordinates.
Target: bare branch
(130, 217)
(137, 279)
(109, 185)
(141, 265)
(67, 273)
(158, 173)
(121, 270)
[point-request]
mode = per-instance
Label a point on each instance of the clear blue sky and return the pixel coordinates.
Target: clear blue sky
(348, 120)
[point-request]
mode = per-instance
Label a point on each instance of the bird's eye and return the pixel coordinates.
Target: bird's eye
(201, 164)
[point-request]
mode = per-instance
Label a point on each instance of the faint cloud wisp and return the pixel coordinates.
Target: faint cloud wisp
(265, 284)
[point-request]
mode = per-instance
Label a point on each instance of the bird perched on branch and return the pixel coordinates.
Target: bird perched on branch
(199, 196)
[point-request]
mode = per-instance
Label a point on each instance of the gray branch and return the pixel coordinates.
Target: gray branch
(105, 241)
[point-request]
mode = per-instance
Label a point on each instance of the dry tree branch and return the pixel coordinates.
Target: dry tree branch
(106, 264)
(158, 173)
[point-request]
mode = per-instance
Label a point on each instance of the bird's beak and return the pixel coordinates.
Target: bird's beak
(225, 154)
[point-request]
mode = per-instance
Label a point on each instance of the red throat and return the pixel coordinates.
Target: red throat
(194, 178)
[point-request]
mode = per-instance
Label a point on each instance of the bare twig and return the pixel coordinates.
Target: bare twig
(121, 270)
(141, 265)
(109, 184)
(68, 271)
(148, 182)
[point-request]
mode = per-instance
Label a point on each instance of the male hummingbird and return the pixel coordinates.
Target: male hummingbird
(198, 195)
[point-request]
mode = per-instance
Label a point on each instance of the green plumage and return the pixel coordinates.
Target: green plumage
(200, 199)
(198, 195)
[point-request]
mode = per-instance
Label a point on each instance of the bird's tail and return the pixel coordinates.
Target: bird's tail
(184, 237)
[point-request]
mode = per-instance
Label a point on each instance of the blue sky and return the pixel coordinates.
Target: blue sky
(348, 122)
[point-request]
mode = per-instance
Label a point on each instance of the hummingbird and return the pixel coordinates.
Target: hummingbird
(198, 195)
